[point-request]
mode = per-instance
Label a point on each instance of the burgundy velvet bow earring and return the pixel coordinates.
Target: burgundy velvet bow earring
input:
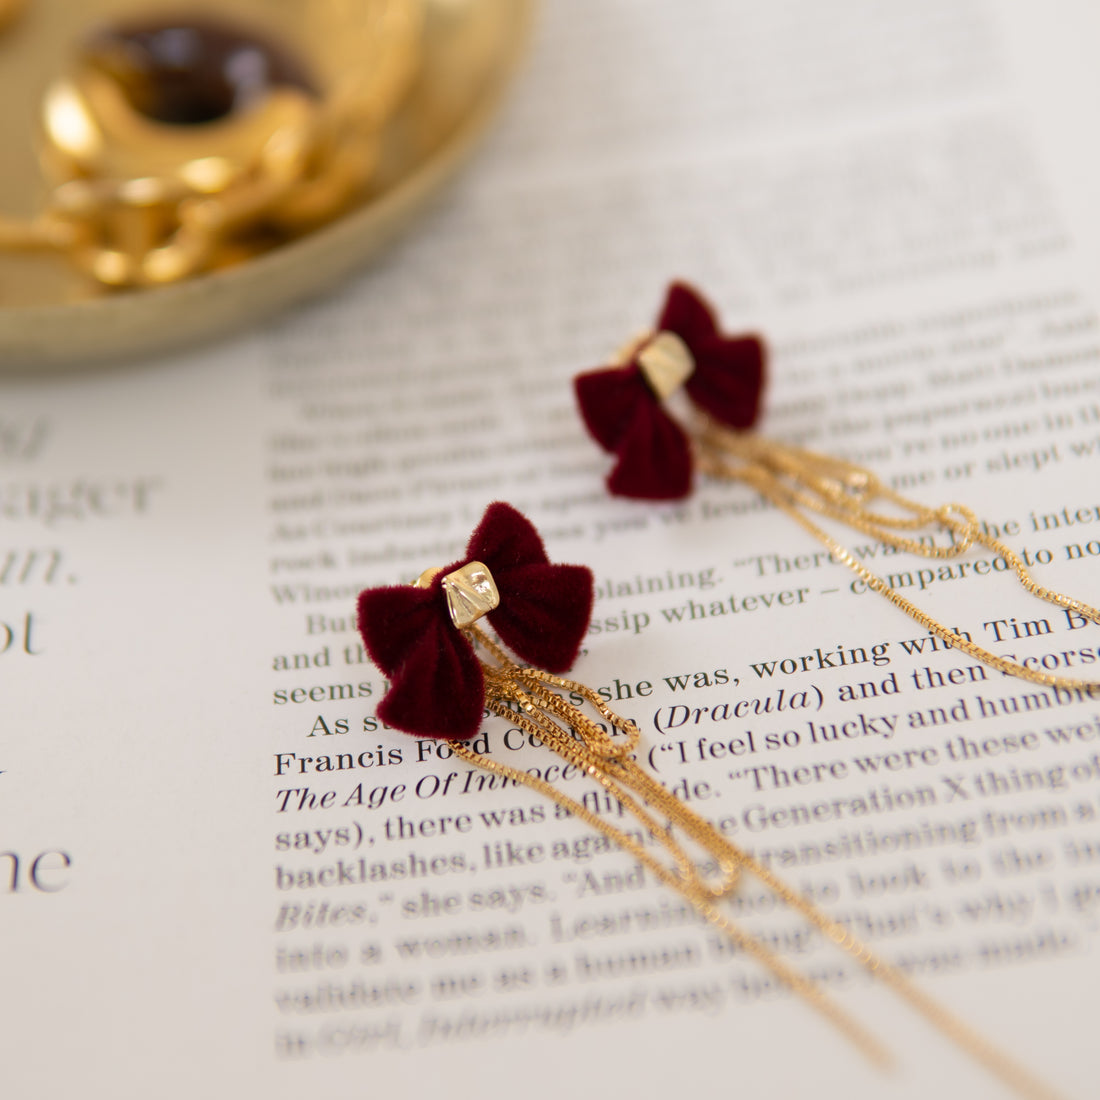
(623, 407)
(445, 672)
(413, 632)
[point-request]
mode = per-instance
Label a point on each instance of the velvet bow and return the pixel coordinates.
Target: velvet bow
(437, 686)
(626, 418)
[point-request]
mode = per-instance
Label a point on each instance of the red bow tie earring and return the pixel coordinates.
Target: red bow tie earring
(446, 672)
(623, 407)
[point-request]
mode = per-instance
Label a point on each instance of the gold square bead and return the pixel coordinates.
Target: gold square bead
(667, 363)
(471, 593)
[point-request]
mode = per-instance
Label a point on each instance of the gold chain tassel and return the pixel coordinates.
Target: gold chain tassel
(797, 481)
(526, 697)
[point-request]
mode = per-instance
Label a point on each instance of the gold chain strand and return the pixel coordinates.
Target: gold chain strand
(764, 465)
(945, 1021)
(591, 763)
(616, 778)
(809, 991)
(844, 498)
(996, 1061)
(877, 584)
(605, 761)
(1013, 1075)
(686, 876)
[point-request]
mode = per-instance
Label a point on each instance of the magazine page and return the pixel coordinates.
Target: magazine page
(221, 872)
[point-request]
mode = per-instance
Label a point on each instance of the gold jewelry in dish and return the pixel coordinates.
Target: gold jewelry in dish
(318, 131)
(180, 143)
